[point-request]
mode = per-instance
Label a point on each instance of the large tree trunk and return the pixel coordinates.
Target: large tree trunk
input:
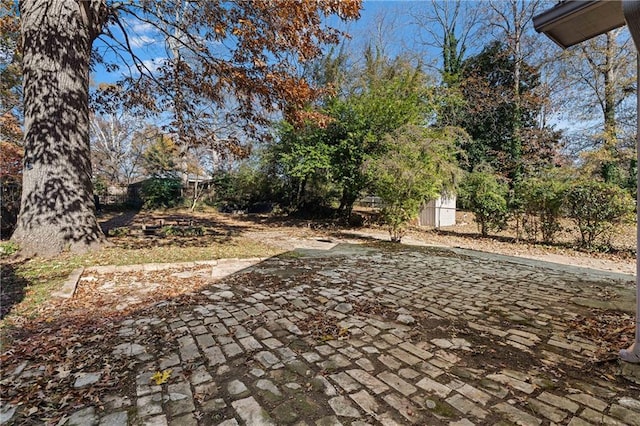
(57, 209)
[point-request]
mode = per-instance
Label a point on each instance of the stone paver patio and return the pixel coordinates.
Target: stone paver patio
(361, 335)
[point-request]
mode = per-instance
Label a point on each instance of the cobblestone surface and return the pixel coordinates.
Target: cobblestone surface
(370, 336)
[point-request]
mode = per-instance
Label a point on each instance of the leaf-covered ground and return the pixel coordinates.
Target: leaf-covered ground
(182, 235)
(64, 337)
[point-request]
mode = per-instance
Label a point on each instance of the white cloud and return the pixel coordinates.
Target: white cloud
(139, 27)
(153, 64)
(141, 41)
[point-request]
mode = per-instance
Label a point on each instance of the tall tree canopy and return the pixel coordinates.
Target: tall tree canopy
(604, 69)
(373, 98)
(451, 27)
(238, 52)
(504, 130)
(384, 94)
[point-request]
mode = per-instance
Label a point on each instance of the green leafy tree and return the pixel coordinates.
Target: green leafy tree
(419, 165)
(160, 161)
(367, 102)
(486, 197)
(305, 160)
(504, 133)
(388, 95)
(160, 158)
(239, 188)
(596, 207)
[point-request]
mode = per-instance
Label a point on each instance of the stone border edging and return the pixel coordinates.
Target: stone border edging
(108, 269)
(71, 284)
(581, 270)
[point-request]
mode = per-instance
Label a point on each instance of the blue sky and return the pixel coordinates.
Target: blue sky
(388, 22)
(391, 18)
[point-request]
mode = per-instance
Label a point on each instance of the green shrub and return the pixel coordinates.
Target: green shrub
(596, 207)
(242, 188)
(121, 231)
(418, 166)
(183, 231)
(161, 192)
(486, 197)
(542, 202)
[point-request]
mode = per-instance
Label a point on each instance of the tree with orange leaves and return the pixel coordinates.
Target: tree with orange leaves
(10, 73)
(10, 179)
(218, 52)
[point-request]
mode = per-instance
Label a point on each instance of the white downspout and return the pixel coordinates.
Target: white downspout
(631, 11)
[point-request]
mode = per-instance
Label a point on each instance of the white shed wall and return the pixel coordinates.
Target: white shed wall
(438, 212)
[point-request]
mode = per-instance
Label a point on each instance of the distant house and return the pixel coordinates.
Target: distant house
(195, 186)
(191, 181)
(438, 212)
(192, 185)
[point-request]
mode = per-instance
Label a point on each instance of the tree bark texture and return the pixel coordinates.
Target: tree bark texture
(57, 208)
(610, 91)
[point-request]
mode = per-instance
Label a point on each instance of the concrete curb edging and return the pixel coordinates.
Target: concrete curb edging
(70, 285)
(108, 269)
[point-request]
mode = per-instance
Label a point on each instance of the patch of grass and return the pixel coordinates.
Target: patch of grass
(546, 383)
(7, 248)
(305, 406)
(235, 248)
(317, 385)
(290, 255)
(40, 277)
(443, 410)
(28, 284)
(285, 413)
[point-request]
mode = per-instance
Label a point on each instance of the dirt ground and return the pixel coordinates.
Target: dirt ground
(286, 233)
(465, 235)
